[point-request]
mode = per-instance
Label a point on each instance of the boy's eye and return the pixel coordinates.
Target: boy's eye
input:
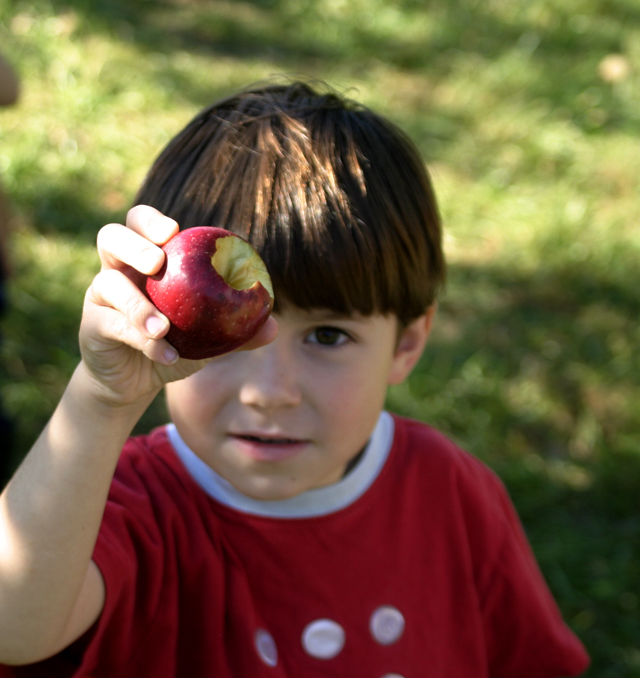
(328, 336)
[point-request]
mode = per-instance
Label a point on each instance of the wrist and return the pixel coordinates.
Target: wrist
(102, 401)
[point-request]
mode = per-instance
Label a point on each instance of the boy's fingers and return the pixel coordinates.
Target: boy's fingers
(137, 243)
(117, 311)
(119, 245)
(114, 290)
(152, 224)
(114, 327)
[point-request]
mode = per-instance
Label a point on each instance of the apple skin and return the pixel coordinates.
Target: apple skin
(208, 317)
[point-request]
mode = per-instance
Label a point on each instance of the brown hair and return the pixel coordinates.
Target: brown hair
(335, 198)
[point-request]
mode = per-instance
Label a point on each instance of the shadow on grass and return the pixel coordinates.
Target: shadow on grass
(561, 49)
(560, 347)
(560, 61)
(55, 209)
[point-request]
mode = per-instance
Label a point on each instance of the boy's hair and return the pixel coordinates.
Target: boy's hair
(335, 198)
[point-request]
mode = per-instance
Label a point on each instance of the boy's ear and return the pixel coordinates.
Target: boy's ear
(410, 346)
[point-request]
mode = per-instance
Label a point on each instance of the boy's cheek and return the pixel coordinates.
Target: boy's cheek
(185, 399)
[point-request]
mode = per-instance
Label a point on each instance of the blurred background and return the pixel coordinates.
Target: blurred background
(528, 114)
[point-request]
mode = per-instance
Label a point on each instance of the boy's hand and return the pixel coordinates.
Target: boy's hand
(121, 334)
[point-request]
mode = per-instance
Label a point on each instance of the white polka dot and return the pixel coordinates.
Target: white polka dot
(266, 647)
(323, 638)
(386, 625)
(392, 675)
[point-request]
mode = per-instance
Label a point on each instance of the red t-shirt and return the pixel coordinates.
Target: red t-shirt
(426, 573)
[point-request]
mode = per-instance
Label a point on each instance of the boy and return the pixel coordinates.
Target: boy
(282, 524)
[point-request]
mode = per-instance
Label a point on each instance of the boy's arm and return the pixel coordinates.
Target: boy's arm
(50, 512)
(49, 519)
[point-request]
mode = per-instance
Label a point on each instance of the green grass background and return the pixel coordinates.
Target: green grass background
(532, 139)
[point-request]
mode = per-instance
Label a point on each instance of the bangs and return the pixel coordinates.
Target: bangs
(334, 198)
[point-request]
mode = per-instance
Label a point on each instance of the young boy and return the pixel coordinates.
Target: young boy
(283, 524)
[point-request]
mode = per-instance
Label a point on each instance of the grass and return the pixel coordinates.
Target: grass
(532, 138)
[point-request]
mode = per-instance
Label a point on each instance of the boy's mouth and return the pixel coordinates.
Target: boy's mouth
(268, 440)
(268, 448)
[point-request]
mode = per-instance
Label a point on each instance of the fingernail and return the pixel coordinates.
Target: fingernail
(149, 260)
(154, 325)
(170, 355)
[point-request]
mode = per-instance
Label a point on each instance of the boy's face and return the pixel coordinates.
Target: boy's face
(288, 417)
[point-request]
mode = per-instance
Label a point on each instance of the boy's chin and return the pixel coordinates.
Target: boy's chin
(277, 488)
(268, 491)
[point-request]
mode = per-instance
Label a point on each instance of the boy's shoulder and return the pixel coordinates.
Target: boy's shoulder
(149, 456)
(437, 476)
(429, 450)
(149, 475)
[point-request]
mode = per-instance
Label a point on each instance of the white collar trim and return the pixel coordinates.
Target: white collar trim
(316, 502)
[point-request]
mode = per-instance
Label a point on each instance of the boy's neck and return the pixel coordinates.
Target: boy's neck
(354, 461)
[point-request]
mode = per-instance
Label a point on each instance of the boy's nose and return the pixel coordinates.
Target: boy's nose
(270, 380)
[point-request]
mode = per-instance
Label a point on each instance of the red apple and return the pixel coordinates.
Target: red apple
(215, 290)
